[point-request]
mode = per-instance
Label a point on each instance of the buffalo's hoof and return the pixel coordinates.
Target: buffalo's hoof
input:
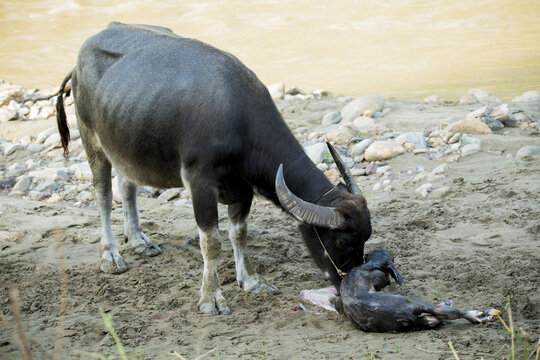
(112, 264)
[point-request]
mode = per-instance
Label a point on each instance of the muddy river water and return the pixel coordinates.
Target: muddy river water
(405, 48)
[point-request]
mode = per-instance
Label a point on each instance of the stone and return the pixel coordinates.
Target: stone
(53, 140)
(377, 187)
(46, 112)
(383, 169)
(479, 113)
(46, 186)
(366, 124)
(169, 194)
(454, 138)
(318, 152)
(331, 118)
(468, 99)
(347, 161)
(295, 91)
(423, 190)
(42, 136)
(371, 168)
(469, 126)
(36, 195)
(23, 184)
(10, 236)
(529, 152)
(15, 170)
(433, 99)
(34, 148)
(332, 175)
(7, 115)
(416, 138)
(371, 103)
(501, 112)
(493, 124)
(439, 169)
(45, 174)
(441, 192)
(277, 91)
(470, 149)
(484, 96)
(359, 148)
(470, 140)
(85, 196)
(532, 95)
(383, 150)
(322, 166)
(81, 171)
(11, 148)
(26, 140)
(341, 134)
(54, 198)
(9, 92)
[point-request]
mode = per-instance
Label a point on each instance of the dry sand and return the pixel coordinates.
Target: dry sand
(478, 246)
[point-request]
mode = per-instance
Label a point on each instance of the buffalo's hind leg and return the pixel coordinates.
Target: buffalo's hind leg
(246, 276)
(138, 241)
(111, 260)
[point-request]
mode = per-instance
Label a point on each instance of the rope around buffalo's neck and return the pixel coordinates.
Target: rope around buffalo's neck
(340, 273)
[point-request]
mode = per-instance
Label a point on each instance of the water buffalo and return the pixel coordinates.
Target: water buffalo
(168, 111)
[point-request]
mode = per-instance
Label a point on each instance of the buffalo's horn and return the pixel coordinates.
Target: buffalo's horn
(345, 173)
(304, 211)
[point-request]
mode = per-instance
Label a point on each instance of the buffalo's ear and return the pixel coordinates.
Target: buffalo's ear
(395, 273)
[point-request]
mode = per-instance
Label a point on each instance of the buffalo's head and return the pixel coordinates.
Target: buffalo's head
(334, 228)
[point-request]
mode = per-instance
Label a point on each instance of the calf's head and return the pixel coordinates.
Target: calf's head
(334, 228)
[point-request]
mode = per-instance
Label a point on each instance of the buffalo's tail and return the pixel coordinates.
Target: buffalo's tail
(61, 120)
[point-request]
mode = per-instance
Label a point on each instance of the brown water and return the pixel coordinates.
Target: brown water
(399, 48)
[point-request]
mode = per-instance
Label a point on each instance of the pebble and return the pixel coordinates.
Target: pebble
(341, 134)
(454, 138)
(469, 126)
(277, 91)
(42, 136)
(416, 138)
(423, 190)
(377, 187)
(52, 140)
(371, 103)
(15, 170)
(484, 96)
(36, 195)
(383, 169)
(8, 115)
(81, 171)
(493, 123)
(470, 149)
(528, 152)
(34, 148)
(470, 140)
(9, 92)
(331, 118)
(439, 169)
(383, 150)
(169, 194)
(47, 186)
(22, 185)
(433, 99)
(318, 152)
(468, 99)
(441, 192)
(533, 95)
(11, 148)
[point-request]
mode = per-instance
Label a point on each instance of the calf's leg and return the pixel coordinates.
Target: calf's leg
(139, 242)
(246, 276)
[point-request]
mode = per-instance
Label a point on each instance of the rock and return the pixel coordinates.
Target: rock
(26, 140)
(359, 148)
(433, 99)
(10, 92)
(34, 148)
(322, 166)
(295, 91)
(54, 198)
(317, 152)
(347, 161)
(532, 95)
(42, 136)
(23, 184)
(364, 104)
(46, 112)
(277, 91)
(383, 150)
(341, 134)
(470, 140)
(53, 140)
(440, 192)
(493, 124)
(23, 112)
(47, 186)
(7, 115)
(35, 195)
(470, 149)
(454, 138)
(439, 169)
(169, 194)
(479, 113)
(528, 152)
(11, 148)
(366, 124)
(381, 170)
(331, 118)
(15, 170)
(85, 196)
(501, 112)
(371, 168)
(484, 96)
(45, 174)
(81, 171)
(332, 175)
(321, 93)
(467, 99)
(416, 138)
(469, 126)
(10, 236)
(423, 190)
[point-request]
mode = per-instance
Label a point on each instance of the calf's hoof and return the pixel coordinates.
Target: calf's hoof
(214, 309)
(256, 284)
(142, 245)
(112, 263)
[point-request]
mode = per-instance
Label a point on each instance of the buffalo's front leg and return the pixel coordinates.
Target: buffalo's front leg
(246, 276)
(204, 197)
(139, 242)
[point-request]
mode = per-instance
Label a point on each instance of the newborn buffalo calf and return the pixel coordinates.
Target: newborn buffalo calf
(374, 311)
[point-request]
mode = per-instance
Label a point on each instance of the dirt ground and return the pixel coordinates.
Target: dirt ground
(478, 246)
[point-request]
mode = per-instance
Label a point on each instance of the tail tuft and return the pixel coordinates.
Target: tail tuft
(61, 120)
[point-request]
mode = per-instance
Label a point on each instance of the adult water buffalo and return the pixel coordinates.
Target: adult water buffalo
(167, 111)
